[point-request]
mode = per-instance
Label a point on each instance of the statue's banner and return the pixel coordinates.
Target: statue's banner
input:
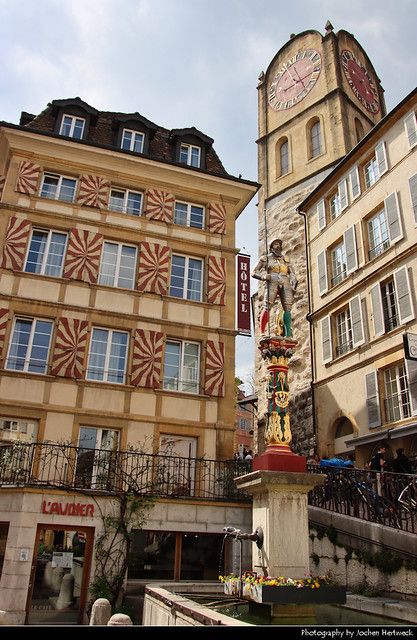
(243, 295)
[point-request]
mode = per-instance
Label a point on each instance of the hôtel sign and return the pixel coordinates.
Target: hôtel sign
(243, 295)
(68, 509)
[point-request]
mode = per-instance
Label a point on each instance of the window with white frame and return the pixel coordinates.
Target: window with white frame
(189, 215)
(190, 154)
(376, 166)
(46, 252)
(25, 430)
(338, 263)
(378, 239)
(344, 339)
(397, 396)
(126, 201)
(118, 265)
(186, 278)
(29, 345)
(392, 302)
(108, 355)
(389, 305)
(96, 458)
(58, 187)
(72, 126)
(182, 366)
(335, 205)
(133, 140)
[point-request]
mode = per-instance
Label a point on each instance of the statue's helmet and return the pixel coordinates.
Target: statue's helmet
(275, 241)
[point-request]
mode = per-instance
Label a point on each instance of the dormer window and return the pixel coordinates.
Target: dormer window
(72, 126)
(190, 154)
(133, 140)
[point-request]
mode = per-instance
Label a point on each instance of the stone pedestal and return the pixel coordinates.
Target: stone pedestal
(280, 508)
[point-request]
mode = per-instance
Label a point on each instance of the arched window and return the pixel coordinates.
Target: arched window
(315, 138)
(283, 157)
(359, 130)
(343, 427)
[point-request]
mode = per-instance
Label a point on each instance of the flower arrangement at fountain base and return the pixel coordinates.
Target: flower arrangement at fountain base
(267, 590)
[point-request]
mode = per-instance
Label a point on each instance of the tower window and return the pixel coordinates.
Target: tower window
(315, 135)
(359, 130)
(283, 157)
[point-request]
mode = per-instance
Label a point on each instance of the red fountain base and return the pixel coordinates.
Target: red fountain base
(279, 458)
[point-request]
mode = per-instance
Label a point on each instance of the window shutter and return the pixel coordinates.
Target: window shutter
(411, 368)
(377, 310)
(4, 319)
(216, 280)
(350, 246)
(355, 185)
(381, 157)
(343, 194)
(214, 370)
(27, 177)
(321, 214)
(413, 192)
(15, 243)
(411, 128)
(403, 293)
(372, 400)
(93, 191)
(356, 318)
(70, 345)
(153, 268)
(159, 206)
(82, 261)
(147, 359)
(322, 272)
(217, 217)
(326, 339)
(392, 210)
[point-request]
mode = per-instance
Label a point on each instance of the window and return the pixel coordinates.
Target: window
(389, 305)
(359, 130)
(16, 429)
(189, 215)
(29, 346)
(339, 263)
(377, 234)
(118, 265)
(376, 166)
(344, 341)
(72, 126)
(46, 253)
(125, 201)
(4, 532)
(58, 187)
(133, 140)
(107, 357)
(334, 205)
(186, 278)
(191, 155)
(97, 458)
(283, 157)
(397, 397)
(182, 366)
(315, 139)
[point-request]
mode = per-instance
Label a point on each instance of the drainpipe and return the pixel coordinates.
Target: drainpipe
(308, 317)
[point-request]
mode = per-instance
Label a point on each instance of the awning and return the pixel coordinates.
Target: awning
(387, 434)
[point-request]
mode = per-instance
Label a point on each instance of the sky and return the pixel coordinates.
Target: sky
(183, 63)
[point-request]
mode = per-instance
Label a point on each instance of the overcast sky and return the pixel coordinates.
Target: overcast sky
(184, 63)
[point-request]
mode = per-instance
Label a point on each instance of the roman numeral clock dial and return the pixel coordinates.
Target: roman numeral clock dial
(294, 80)
(360, 81)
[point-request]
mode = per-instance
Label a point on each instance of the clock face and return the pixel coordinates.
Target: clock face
(294, 80)
(360, 81)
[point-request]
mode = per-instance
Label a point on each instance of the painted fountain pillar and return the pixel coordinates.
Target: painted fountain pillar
(279, 481)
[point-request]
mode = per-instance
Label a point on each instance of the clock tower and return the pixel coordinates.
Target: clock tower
(318, 97)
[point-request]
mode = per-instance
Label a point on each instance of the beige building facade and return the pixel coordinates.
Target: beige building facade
(311, 111)
(361, 242)
(117, 287)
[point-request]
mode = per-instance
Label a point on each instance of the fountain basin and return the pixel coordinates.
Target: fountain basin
(265, 594)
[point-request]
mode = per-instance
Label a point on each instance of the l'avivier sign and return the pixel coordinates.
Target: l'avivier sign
(68, 509)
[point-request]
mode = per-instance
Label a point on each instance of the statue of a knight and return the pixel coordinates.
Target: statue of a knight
(281, 283)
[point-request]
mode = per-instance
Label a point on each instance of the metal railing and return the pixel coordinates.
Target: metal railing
(91, 470)
(386, 498)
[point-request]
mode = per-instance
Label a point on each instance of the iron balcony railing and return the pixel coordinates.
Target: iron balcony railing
(69, 467)
(387, 498)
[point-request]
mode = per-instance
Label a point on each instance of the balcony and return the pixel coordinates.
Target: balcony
(68, 467)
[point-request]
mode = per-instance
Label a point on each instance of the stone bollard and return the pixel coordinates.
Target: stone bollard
(100, 612)
(119, 619)
(66, 598)
(56, 578)
(3, 617)
(47, 576)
